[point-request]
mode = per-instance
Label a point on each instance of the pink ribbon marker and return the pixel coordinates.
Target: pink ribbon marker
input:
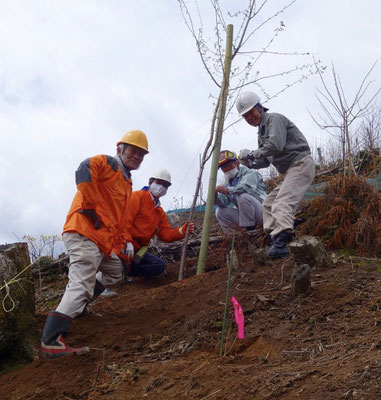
(239, 318)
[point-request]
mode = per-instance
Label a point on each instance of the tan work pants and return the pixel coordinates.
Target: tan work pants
(87, 263)
(280, 205)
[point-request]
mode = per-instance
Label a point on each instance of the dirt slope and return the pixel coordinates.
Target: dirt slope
(160, 340)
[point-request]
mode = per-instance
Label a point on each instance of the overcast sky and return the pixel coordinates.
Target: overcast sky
(76, 75)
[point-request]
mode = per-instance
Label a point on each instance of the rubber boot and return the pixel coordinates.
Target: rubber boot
(278, 248)
(298, 221)
(53, 344)
(98, 290)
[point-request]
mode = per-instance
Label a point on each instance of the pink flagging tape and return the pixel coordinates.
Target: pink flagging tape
(239, 318)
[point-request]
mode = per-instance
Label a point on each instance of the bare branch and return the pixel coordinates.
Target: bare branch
(266, 21)
(248, 17)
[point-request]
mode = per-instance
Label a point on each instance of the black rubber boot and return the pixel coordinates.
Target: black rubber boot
(98, 289)
(298, 221)
(278, 248)
(53, 344)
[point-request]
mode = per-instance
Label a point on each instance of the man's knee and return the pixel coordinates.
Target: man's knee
(219, 212)
(151, 266)
(244, 198)
(158, 268)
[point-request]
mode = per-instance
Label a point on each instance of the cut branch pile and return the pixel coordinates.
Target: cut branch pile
(347, 216)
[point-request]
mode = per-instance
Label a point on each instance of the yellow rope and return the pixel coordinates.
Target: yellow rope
(10, 282)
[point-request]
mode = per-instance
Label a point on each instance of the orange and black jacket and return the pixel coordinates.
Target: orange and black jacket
(144, 220)
(104, 185)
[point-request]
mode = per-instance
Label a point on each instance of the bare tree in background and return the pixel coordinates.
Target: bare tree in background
(247, 54)
(44, 246)
(370, 131)
(339, 115)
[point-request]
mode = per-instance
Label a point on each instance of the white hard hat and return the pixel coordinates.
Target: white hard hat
(162, 174)
(246, 101)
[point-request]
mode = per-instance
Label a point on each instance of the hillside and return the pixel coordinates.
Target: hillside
(160, 339)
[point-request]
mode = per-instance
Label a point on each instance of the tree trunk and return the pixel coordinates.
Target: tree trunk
(18, 331)
(217, 148)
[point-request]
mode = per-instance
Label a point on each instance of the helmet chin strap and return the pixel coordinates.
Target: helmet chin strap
(260, 110)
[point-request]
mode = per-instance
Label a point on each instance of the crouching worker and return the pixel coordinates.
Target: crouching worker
(282, 144)
(239, 200)
(94, 236)
(147, 218)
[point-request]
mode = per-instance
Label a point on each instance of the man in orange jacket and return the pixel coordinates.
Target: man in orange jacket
(145, 219)
(95, 236)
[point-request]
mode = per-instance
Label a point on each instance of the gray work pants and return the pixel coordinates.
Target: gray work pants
(87, 263)
(281, 204)
(249, 213)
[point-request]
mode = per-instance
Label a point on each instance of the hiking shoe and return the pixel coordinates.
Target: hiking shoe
(58, 348)
(108, 293)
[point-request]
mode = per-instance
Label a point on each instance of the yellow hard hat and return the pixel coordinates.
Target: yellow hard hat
(136, 138)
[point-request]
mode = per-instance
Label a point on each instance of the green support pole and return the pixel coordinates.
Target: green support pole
(217, 148)
(227, 298)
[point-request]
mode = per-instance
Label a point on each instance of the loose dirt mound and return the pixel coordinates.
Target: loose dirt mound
(160, 340)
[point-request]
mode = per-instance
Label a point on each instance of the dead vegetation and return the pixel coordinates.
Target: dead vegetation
(348, 216)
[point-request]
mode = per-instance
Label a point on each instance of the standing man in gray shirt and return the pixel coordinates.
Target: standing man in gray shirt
(282, 144)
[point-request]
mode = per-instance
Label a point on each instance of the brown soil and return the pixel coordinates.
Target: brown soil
(160, 339)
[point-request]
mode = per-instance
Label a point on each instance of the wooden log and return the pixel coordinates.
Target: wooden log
(301, 279)
(235, 261)
(57, 266)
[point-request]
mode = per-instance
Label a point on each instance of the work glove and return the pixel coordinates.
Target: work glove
(128, 251)
(93, 215)
(243, 154)
(259, 163)
(183, 229)
(254, 162)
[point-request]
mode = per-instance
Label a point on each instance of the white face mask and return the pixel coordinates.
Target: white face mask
(231, 174)
(157, 190)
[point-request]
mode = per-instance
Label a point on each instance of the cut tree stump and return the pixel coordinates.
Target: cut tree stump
(301, 279)
(18, 330)
(309, 250)
(235, 261)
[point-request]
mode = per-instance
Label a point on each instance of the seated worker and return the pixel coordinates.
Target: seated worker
(145, 219)
(239, 200)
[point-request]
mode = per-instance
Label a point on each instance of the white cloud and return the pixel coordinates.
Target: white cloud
(75, 76)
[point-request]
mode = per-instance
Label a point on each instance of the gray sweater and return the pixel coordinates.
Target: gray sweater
(280, 142)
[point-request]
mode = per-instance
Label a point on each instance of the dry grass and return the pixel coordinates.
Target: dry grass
(347, 216)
